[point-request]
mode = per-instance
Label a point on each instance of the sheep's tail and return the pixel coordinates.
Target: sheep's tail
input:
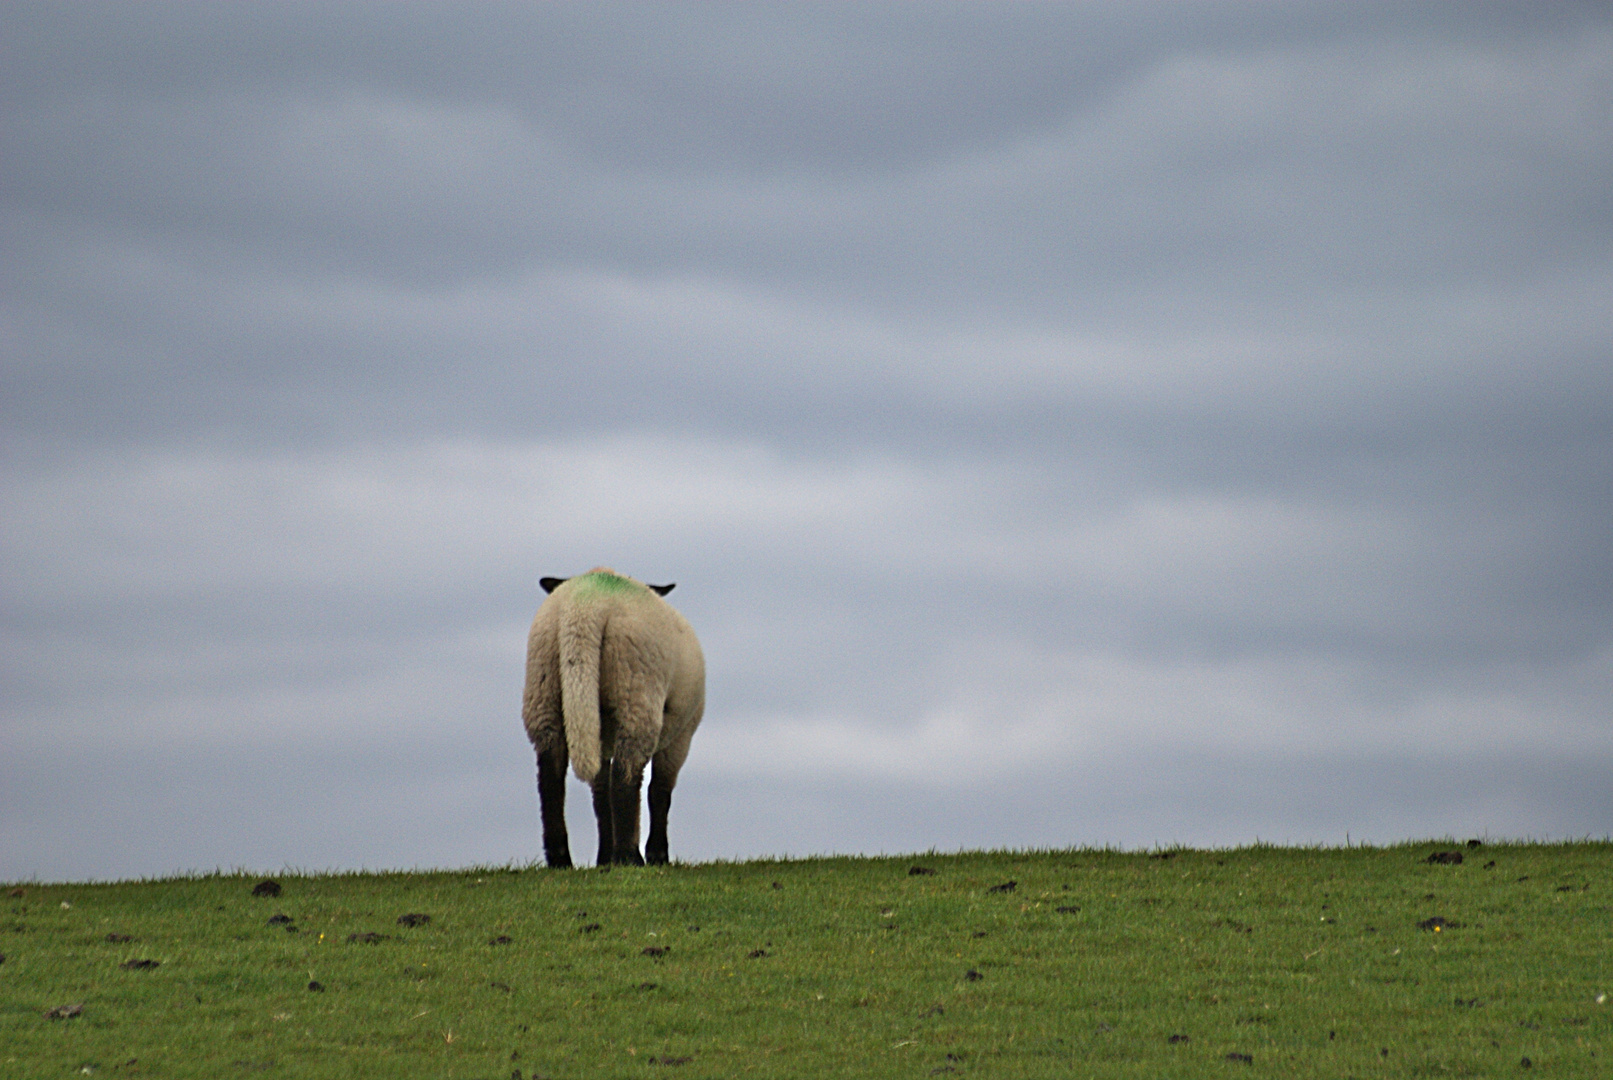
(582, 631)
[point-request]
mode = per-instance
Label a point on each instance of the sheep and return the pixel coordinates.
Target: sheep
(614, 679)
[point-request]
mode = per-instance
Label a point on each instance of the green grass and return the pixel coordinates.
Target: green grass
(1310, 961)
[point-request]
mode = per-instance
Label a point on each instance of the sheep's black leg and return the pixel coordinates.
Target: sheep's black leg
(607, 836)
(626, 788)
(552, 806)
(655, 848)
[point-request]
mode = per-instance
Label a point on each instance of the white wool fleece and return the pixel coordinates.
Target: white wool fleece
(612, 671)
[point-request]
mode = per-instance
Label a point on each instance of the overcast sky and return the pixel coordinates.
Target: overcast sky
(1106, 424)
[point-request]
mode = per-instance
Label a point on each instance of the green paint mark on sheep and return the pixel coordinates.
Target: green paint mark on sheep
(606, 582)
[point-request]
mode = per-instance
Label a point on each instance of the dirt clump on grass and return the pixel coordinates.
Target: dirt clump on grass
(1438, 923)
(266, 887)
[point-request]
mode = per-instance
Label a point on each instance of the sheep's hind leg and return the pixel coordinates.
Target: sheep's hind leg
(607, 841)
(552, 806)
(626, 788)
(661, 781)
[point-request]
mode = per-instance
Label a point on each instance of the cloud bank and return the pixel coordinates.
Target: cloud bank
(1066, 424)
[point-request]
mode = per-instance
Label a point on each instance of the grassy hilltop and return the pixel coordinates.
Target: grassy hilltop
(1358, 962)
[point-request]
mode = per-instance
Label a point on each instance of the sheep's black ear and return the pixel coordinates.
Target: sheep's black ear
(550, 584)
(662, 590)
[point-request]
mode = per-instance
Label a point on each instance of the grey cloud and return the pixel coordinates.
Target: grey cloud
(797, 569)
(1345, 160)
(341, 809)
(1116, 377)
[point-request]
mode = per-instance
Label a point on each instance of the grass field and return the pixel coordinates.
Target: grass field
(1257, 961)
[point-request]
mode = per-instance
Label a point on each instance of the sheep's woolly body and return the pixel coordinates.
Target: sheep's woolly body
(613, 674)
